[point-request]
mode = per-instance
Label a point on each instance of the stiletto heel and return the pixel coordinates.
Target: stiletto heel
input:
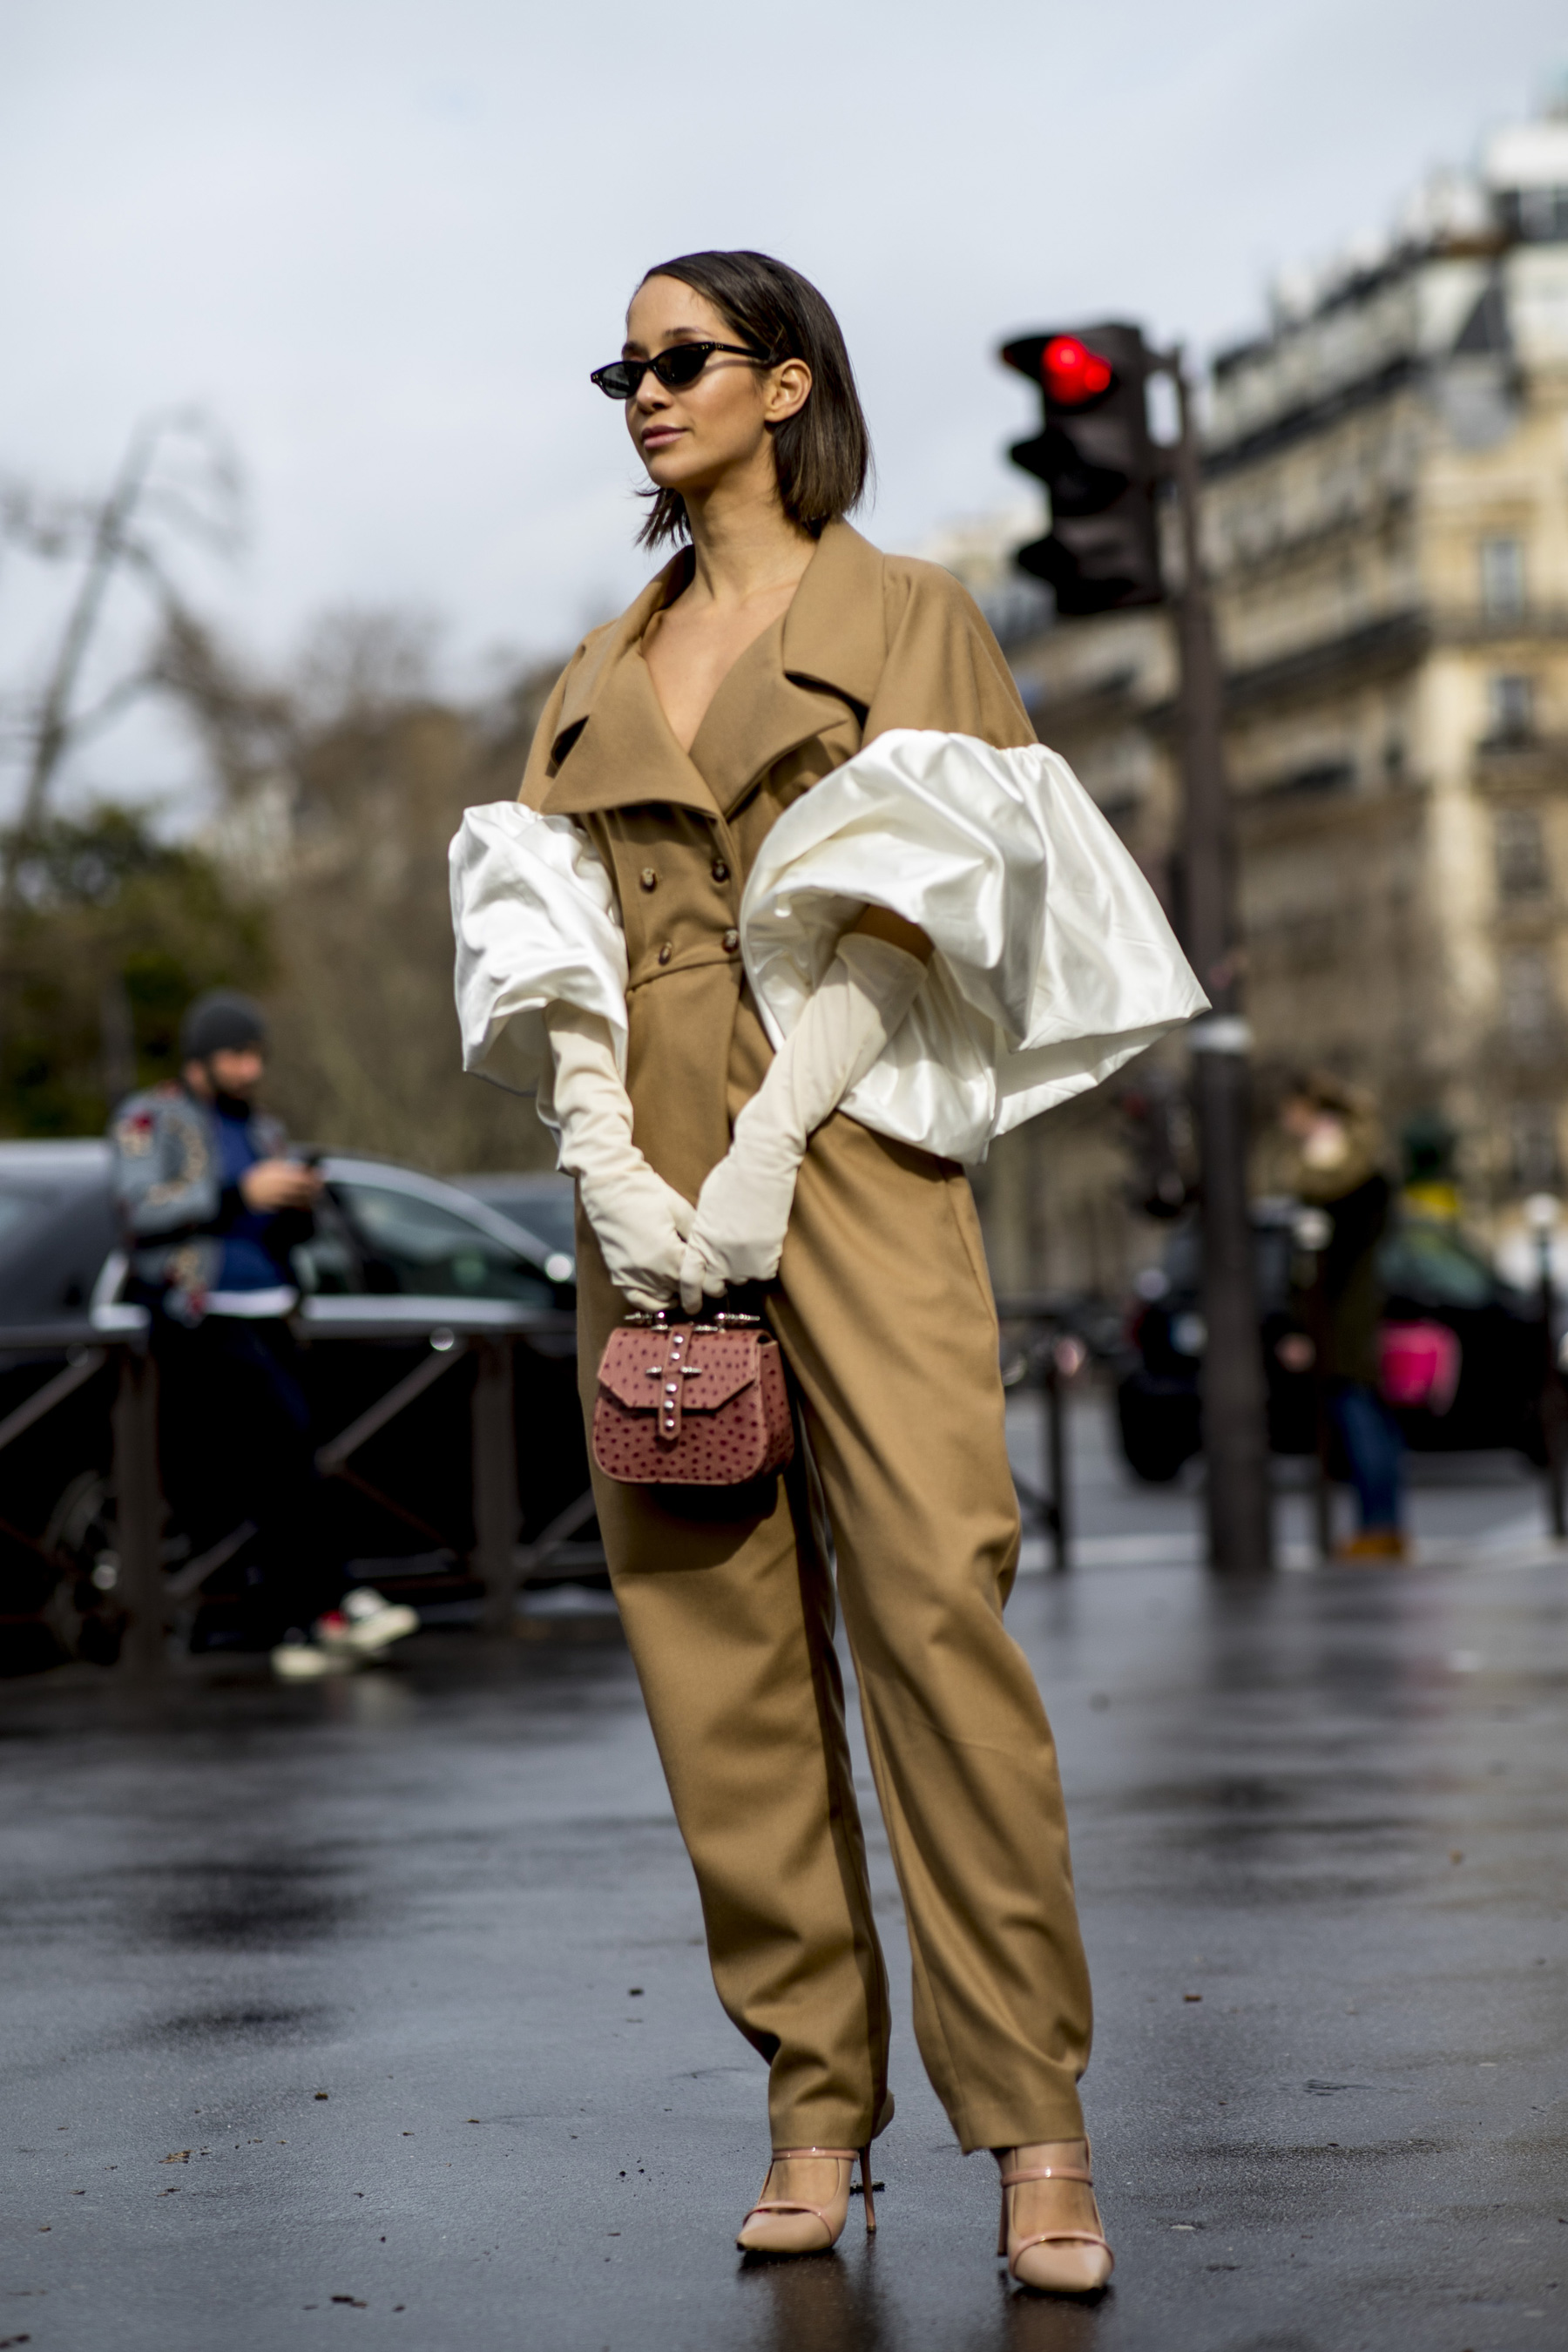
(789, 2225)
(1027, 2260)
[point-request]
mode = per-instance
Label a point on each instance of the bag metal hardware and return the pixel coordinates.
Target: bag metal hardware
(643, 1320)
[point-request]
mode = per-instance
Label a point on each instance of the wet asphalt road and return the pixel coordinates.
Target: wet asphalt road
(1319, 1838)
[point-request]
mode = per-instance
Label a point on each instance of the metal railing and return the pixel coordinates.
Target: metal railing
(488, 1330)
(1042, 1355)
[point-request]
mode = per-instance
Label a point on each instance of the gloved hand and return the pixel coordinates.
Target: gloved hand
(742, 1210)
(639, 1222)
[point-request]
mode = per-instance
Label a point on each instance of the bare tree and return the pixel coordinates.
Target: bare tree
(336, 790)
(178, 478)
(339, 789)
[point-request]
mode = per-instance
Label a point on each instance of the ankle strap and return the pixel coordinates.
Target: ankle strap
(848, 2154)
(1049, 2172)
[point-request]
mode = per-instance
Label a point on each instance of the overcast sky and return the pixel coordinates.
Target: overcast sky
(384, 241)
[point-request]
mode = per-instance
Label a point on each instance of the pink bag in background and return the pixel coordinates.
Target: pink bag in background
(1418, 1365)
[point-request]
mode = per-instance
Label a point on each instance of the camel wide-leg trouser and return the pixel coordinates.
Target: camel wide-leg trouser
(883, 1311)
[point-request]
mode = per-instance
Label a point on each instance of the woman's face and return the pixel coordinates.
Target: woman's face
(693, 438)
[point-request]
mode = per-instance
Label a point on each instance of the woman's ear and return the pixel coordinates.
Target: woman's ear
(789, 388)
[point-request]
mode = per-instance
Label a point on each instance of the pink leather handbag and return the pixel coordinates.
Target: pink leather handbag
(691, 1404)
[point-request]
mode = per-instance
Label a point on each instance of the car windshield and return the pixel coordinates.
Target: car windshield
(547, 1211)
(429, 1250)
(1432, 1265)
(18, 1210)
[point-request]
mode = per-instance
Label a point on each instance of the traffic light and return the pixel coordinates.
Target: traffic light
(1096, 458)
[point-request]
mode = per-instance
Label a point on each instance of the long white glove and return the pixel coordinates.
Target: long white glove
(742, 1210)
(639, 1222)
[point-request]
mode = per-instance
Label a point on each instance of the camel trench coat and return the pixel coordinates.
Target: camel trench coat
(870, 642)
(883, 1311)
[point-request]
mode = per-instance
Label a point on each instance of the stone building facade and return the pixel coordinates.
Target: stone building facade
(1386, 526)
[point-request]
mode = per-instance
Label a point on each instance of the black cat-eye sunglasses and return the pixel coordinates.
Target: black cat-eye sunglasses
(681, 364)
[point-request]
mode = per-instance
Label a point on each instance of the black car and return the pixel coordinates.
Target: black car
(1433, 1276)
(542, 1207)
(389, 1242)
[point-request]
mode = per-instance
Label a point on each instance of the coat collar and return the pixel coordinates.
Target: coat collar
(613, 741)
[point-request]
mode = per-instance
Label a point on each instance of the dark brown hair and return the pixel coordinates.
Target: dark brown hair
(824, 451)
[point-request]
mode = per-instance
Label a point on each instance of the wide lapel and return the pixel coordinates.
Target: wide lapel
(613, 740)
(836, 630)
(617, 748)
(757, 716)
(795, 681)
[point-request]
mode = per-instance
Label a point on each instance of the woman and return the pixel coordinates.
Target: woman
(775, 904)
(1336, 1166)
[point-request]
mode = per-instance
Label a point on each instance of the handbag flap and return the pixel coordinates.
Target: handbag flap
(719, 1365)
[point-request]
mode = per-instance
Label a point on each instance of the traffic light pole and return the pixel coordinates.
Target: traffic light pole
(1235, 1429)
(1101, 555)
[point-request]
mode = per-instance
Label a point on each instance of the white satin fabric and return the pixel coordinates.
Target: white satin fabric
(536, 923)
(1053, 963)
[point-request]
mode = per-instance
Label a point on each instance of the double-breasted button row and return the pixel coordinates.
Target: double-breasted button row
(648, 878)
(730, 943)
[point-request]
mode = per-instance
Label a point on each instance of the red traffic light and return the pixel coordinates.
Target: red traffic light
(1071, 373)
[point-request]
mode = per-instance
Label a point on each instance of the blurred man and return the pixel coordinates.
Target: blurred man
(215, 1206)
(1338, 1167)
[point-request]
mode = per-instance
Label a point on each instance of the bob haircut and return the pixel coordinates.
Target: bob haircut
(823, 453)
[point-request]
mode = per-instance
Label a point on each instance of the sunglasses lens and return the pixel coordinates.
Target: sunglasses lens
(620, 380)
(681, 365)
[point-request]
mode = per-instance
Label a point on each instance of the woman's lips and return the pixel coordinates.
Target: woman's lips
(659, 436)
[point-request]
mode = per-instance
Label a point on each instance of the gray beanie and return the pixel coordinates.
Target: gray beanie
(221, 1020)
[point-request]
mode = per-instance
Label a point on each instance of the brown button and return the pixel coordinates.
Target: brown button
(648, 878)
(732, 941)
(721, 871)
(664, 952)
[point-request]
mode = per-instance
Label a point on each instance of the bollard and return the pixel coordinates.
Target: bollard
(139, 1512)
(1542, 1211)
(496, 1511)
(1313, 1231)
(1060, 1359)
(1051, 1360)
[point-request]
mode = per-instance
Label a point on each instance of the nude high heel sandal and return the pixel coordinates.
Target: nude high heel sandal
(1059, 2262)
(790, 2225)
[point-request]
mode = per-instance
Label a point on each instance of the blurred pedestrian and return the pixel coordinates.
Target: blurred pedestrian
(702, 767)
(213, 1206)
(1336, 1167)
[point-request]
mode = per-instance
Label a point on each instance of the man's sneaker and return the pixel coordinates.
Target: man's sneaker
(306, 1662)
(366, 1622)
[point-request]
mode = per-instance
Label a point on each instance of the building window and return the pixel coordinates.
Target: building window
(1520, 847)
(1529, 1003)
(1511, 708)
(1533, 1135)
(1502, 578)
(1539, 215)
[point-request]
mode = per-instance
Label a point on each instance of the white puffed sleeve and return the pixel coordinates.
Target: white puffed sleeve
(535, 919)
(1053, 963)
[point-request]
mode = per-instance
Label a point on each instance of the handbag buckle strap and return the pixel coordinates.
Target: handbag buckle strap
(671, 1370)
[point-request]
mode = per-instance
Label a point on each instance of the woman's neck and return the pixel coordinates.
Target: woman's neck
(744, 544)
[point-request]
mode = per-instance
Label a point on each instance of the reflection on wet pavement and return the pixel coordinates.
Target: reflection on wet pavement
(322, 2004)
